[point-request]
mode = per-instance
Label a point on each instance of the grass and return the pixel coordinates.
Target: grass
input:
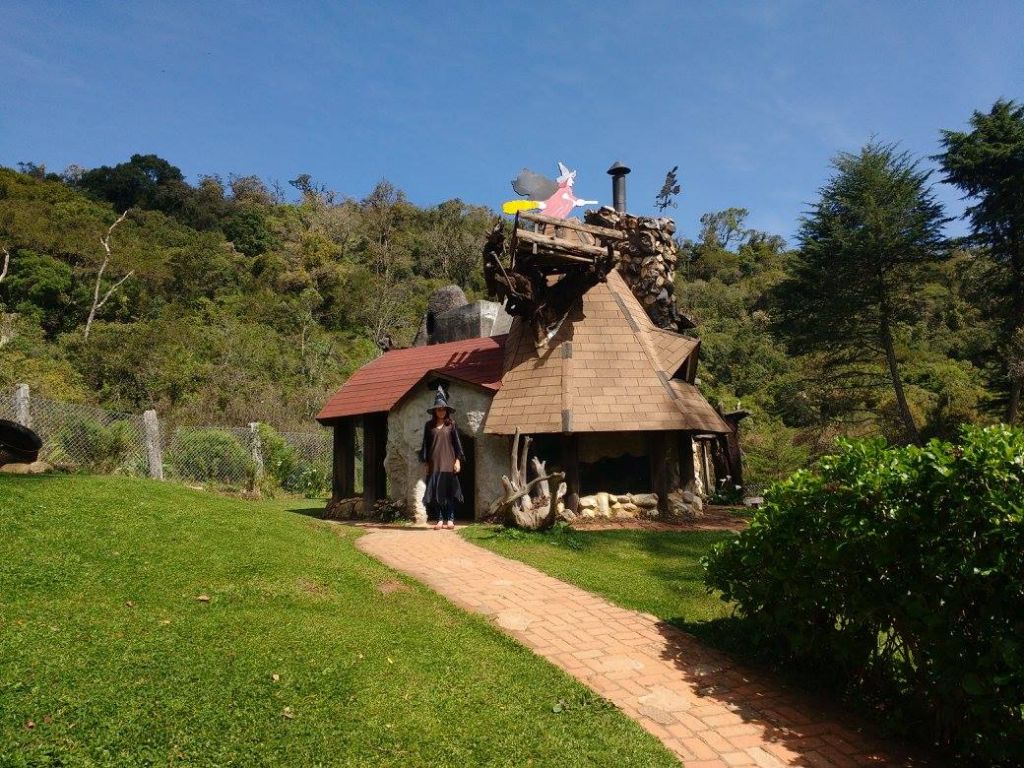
(657, 572)
(307, 652)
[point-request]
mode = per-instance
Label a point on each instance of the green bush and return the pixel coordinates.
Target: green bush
(288, 470)
(901, 571)
(89, 445)
(211, 455)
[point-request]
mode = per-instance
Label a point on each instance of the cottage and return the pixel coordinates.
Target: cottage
(584, 353)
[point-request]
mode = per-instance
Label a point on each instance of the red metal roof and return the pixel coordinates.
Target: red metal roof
(381, 383)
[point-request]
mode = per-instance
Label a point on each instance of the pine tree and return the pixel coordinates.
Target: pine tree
(862, 246)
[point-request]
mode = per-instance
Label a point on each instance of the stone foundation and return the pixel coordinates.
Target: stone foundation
(682, 505)
(618, 506)
(345, 509)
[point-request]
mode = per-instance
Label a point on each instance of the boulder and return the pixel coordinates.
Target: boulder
(679, 507)
(645, 500)
(34, 468)
(603, 505)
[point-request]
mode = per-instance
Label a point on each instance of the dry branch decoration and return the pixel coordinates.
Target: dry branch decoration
(516, 506)
(97, 302)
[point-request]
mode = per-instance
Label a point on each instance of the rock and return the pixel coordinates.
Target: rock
(587, 512)
(35, 468)
(688, 497)
(560, 507)
(688, 510)
(616, 510)
(588, 501)
(645, 500)
(624, 498)
(603, 507)
(630, 510)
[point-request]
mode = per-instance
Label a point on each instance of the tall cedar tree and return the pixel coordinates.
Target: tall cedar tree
(987, 164)
(861, 250)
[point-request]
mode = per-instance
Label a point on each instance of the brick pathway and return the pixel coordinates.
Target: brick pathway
(704, 707)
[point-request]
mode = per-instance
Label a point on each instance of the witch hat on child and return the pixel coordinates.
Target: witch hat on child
(440, 401)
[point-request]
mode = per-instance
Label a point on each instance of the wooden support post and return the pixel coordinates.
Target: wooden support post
(375, 440)
(660, 474)
(687, 471)
(343, 475)
(257, 449)
(22, 412)
(153, 450)
(571, 467)
(732, 445)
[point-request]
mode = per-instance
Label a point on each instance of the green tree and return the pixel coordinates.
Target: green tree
(874, 227)
(987, 164)
(145, 181)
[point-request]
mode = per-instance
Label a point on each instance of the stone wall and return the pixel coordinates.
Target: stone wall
(647, 262)
(682, 505)
(405, 435)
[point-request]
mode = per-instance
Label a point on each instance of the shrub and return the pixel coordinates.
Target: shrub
(902, 571)
(211, 455)
(89, 445)
(288, 470)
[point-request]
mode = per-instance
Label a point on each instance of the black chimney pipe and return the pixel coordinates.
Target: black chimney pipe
(618, 173)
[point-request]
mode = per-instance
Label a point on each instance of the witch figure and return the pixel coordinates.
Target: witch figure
(442, 453)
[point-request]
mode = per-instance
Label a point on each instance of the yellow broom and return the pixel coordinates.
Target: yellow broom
(513, 207)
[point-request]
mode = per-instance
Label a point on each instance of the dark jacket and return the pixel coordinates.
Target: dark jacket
(425, 447)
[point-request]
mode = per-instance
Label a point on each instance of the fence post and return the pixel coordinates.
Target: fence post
(257, 448)
(22, 413)
(153, 451)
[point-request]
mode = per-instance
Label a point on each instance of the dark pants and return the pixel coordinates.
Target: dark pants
(446, 511)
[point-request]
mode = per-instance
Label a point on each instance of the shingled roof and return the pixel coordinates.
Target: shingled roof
(608, 369)
(381, 383)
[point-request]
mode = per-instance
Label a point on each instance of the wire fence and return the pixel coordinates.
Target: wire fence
(85, 438)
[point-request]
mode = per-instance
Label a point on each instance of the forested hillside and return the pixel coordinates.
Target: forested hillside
(237, 305)
(227, 302)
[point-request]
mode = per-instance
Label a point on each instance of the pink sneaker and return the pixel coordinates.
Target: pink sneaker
(438, 525)
(450, 526)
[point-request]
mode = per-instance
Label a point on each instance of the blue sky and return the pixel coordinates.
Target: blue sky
(450, 99)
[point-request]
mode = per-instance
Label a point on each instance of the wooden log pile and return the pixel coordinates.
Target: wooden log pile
(547, 264)
(646, 257)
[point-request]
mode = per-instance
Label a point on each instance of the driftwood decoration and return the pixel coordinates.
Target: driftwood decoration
(517, 506)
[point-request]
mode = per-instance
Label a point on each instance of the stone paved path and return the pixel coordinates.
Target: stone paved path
(708, 710)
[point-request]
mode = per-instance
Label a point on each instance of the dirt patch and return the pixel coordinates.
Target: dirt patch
(714, 519)
(389, 586)
(313, 588)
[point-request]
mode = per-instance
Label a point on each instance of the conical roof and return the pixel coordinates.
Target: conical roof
(608, 369)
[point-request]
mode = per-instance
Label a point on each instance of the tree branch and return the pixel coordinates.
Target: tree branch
(96, 302)
(7, 263)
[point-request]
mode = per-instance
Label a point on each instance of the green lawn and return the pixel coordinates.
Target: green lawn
(299, 657)
(657, 572)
